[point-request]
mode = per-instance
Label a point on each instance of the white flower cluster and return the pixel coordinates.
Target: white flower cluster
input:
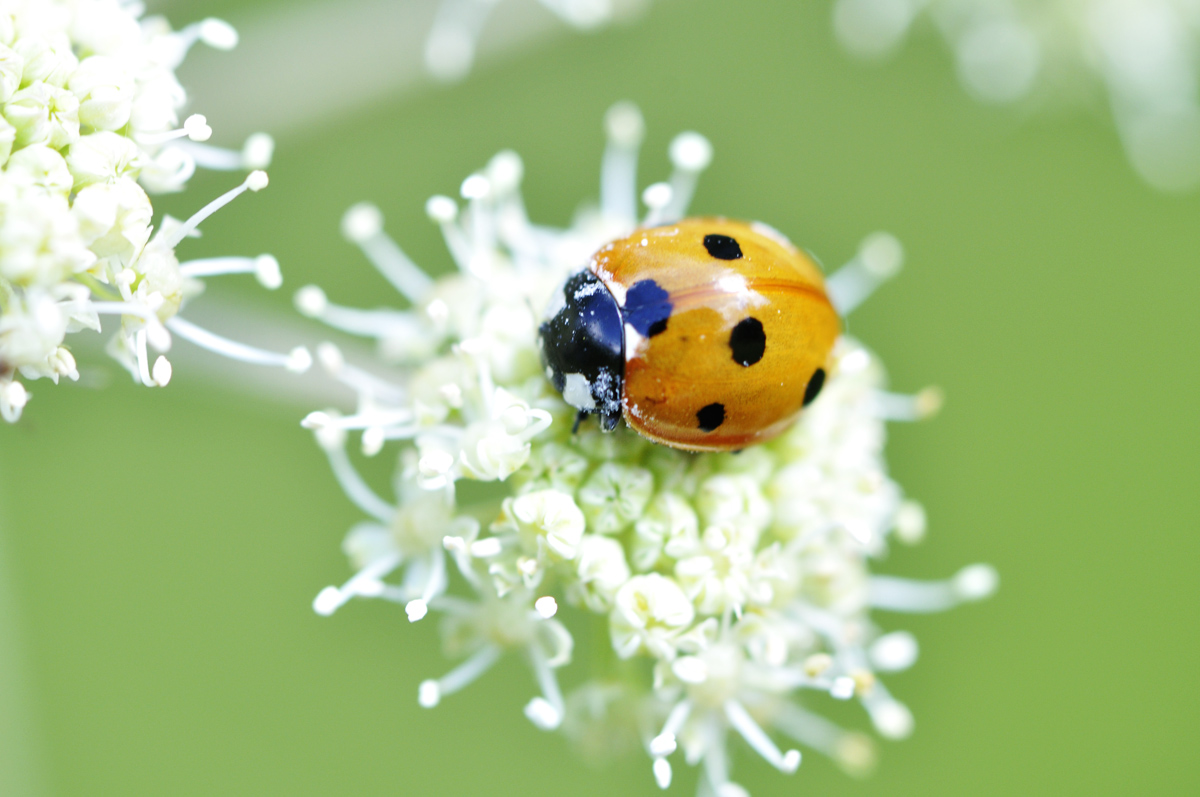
(1144, 52)
(450, 45)
(731, 586)
(89, 107)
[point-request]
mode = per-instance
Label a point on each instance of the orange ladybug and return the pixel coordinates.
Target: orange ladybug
(705, 335)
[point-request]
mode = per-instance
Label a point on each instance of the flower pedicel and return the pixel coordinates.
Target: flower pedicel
(732, 587)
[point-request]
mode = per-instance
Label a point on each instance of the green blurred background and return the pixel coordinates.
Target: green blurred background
(160, 549)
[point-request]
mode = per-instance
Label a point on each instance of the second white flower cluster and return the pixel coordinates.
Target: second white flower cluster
(89, 121)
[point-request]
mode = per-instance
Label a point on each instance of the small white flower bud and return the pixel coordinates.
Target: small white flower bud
(197, 129)
(843, 688)
(299, 360)
(438, 311)
(910, 522)
(258, 151)
(854, 361)
(267, 272)
(475, 187)
(894, 652)
(328, 601)
(14, 395)
(429, 694)
(486, 548)
(929, 402)
(976, 582)
(505, 171)
(435, 462)
(372, 440)
(416, 610)
(893, 720)
(624, 124)
(662, 772)
(256, 180)
(542, 714)
(657, 196)
(546, 607)
(329, 355)
(330, 436)
(690, 669)
(63, 364)
(218, 34)
(362, 222)
(162, 371)
(310, 301)
(441, 209)
(691, 152)
(881, 255)
(663, 745)
(316, 420)
(551, 516)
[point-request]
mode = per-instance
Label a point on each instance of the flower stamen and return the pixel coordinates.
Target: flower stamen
(298, 360)
(972, 583)
(880, 257)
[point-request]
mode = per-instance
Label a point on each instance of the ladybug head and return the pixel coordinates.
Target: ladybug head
(583, 347)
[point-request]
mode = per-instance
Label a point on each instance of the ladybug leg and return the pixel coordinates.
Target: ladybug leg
(609, 420)
(580, 417)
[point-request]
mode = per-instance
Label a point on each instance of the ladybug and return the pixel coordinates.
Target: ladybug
(705, 335)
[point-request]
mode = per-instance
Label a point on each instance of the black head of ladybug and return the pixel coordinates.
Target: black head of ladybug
(583, 347)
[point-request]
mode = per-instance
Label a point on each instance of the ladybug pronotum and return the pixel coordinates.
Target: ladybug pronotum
(705, 335)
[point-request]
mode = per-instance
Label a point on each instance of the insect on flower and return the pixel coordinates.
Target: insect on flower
(742, 582)
(707, 335)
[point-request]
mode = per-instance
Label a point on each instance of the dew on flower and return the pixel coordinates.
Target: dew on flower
(89, 124)
(741, 582)
(1141, 51)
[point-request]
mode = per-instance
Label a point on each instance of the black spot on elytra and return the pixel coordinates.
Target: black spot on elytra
(722, 247)
(748, 342)
(647, 308)
(711, 417)
(814, 386)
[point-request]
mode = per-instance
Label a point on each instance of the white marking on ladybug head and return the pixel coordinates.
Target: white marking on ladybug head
(577, 391)
(615, 288)
(635, 343)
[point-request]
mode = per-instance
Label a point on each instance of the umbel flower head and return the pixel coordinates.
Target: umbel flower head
(1143, 52)
(89, 122)
(734, 589)
(458, 24)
